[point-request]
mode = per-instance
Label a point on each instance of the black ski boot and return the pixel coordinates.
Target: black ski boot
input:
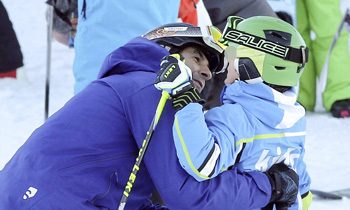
(341, 108)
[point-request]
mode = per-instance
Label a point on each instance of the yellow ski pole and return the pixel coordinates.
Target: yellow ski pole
(142, 151)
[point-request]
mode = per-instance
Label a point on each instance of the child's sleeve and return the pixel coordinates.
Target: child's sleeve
(197, 146)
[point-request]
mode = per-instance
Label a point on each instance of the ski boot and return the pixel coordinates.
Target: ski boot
(341, 108)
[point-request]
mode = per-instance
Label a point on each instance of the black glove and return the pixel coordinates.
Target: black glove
(284, 184)
(189, 96)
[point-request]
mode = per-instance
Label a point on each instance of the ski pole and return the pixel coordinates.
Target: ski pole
(142, 151)
(48, 61)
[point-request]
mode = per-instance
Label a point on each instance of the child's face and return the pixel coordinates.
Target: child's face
(232, 74)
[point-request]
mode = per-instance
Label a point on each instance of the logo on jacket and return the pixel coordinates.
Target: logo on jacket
(30, 193)
(288, 158)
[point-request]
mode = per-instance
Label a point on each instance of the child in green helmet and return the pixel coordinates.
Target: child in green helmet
(260, 123)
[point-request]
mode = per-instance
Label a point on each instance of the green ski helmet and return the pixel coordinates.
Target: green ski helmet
(267, 49)
(176, 36)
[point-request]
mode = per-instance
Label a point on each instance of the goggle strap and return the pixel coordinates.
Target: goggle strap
(249, 40)
(298, 55)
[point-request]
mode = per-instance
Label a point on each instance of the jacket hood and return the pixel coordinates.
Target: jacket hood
(139, 54)
(275, 109)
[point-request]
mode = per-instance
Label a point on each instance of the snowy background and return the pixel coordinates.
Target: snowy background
(22, 105)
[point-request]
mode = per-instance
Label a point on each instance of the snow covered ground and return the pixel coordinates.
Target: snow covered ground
(22, 106)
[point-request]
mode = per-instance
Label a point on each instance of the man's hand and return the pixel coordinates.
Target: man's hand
(285, 184)
(175, 78)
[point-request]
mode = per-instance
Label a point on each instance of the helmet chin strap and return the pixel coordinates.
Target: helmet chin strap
(236, 61)
(247, 71)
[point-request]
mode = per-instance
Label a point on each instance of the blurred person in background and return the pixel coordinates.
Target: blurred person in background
(106, 25)
(64, 21)
(322, 18)
(11, 58)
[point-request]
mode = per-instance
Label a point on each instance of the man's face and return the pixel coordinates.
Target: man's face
(199, 64)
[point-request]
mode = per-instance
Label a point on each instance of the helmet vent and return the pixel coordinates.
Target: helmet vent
(280, 67)
(278, 37)
(274, 33)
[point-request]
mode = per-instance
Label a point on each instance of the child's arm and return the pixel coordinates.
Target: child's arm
(203, 152)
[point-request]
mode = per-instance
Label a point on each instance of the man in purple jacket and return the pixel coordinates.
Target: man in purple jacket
(82, 156)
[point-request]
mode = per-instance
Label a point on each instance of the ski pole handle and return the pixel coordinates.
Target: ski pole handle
(142, 151)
